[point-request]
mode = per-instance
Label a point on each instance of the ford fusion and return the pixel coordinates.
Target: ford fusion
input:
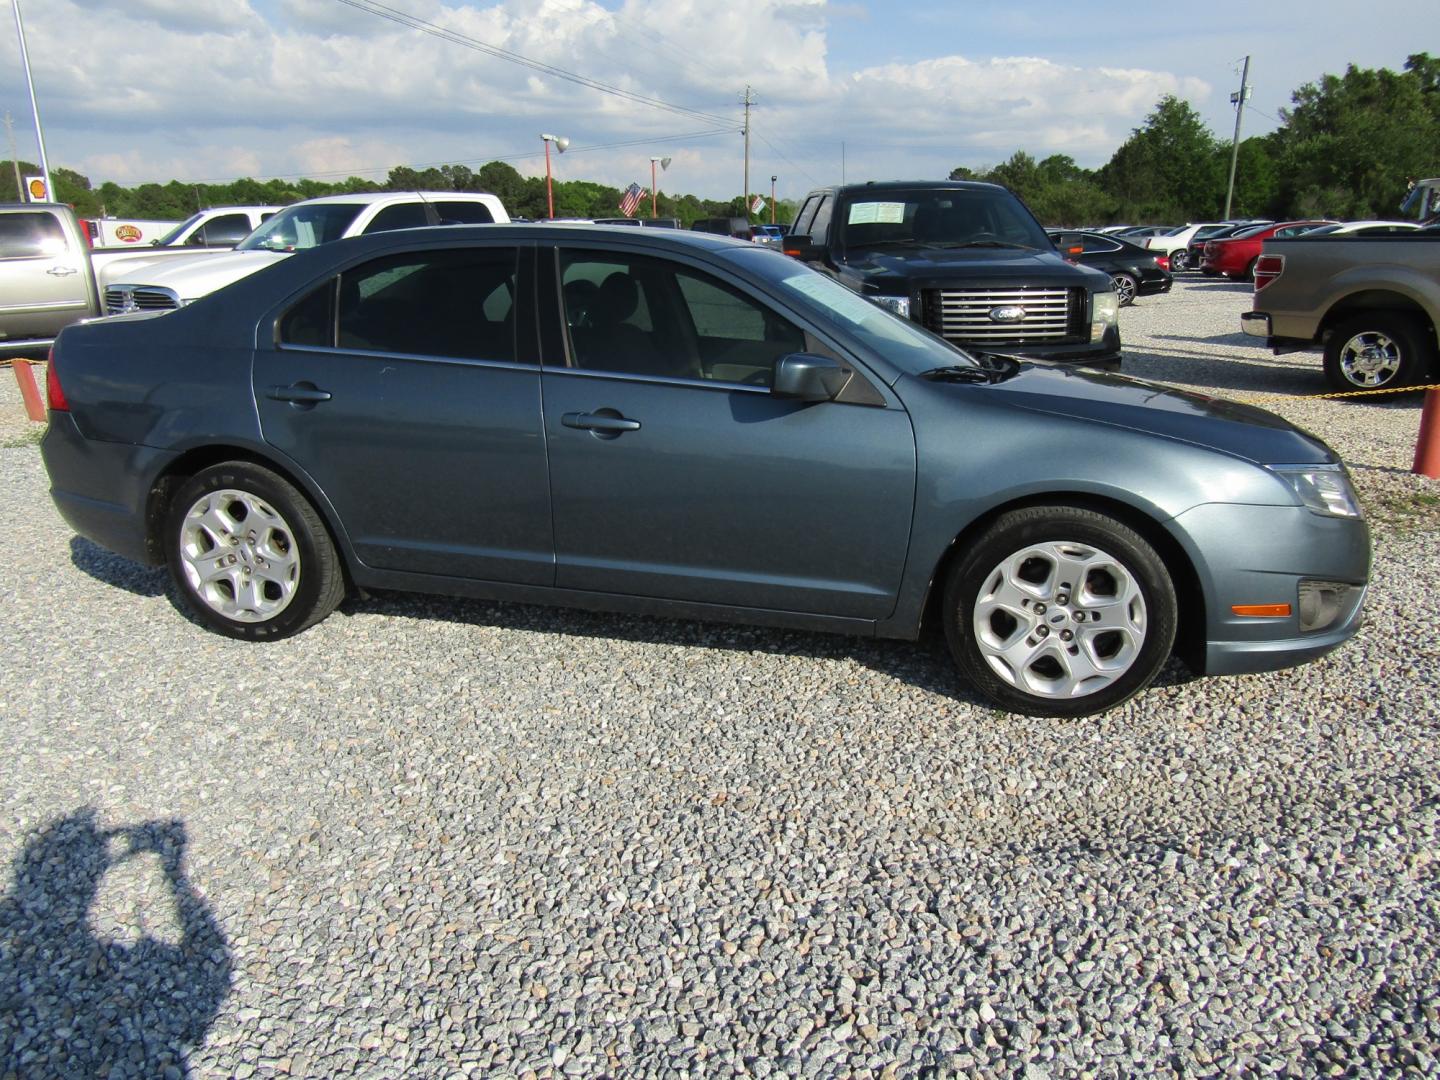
(687, 425)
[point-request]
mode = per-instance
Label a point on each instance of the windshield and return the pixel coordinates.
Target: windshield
(939, 217)
(898, 340)
(304, 225)
(174, 234)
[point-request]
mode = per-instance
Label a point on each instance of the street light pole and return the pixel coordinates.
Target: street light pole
(773, 178)
(561, 142)
(34, 106)
(653, 162)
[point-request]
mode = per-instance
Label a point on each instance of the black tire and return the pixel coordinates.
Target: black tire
(292, 578)
(1249, 274)
(1125, 285)
(1120, 553)
(1179, 260)
(1379, 350)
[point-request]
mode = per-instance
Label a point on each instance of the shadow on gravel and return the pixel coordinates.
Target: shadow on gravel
(924, 664)
(73, 1003)
(111, 569)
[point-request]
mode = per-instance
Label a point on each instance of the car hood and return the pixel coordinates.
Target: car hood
(1036, 267)
(198, 276)
(1214, 423)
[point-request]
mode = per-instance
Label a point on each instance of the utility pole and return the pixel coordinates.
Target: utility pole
(34, 106)
(14, 156)
(747, 104)
(1238, 99)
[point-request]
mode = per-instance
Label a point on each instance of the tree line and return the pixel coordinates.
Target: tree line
(1346, 148)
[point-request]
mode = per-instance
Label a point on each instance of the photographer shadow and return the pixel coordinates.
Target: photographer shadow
(75, 1003)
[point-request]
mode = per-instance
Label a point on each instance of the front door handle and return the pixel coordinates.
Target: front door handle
(606, 420)
(301, 394)
(61, 271)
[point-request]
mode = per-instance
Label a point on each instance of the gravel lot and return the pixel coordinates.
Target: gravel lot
(446, 838)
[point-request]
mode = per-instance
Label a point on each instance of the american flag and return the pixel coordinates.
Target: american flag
(631, 199)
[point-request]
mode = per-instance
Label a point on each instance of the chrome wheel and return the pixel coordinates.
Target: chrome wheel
(1060, 619)
(1370, 359)
(1179, 259)
(239, 556)
(1124, 286)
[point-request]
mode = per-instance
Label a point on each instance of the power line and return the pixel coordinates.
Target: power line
(373, 7)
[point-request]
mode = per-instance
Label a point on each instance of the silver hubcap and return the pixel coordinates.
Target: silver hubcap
(1060, 619)
(1178, 260)
(1125, 287)
(1370, 359)
(239, 556)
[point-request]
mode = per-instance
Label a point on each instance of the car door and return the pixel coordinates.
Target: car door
(44, 284)
(408, 388)
(676, 474)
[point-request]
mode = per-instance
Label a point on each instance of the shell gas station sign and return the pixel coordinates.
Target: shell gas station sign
(35, 188)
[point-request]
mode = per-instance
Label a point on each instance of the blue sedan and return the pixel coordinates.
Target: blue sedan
(675, 423)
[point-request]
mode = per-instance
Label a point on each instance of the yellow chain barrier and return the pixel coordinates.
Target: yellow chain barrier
(1253, 398)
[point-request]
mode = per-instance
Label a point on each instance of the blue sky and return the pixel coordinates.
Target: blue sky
(138, 90)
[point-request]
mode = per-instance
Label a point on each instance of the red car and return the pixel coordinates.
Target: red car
(1235, 256)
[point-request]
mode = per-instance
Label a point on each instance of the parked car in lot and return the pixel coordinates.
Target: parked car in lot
(1134, 271)
(965, 260)
(1366, 228)
(737, 227)
(1234, 256)
(1182, 243)
(46, 281)
(1372, 303)
(160, 284)
(667, 422)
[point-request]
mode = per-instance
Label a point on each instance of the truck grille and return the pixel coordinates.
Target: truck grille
(120, 299)
(978, 316)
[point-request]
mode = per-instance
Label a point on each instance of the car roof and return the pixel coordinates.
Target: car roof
(367, 198)
(881, 186)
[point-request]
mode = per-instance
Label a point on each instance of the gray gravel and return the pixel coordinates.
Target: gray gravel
(444, 838)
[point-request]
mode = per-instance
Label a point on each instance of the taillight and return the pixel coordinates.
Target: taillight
(1162, 261)
(54, 395)
(1267, 269)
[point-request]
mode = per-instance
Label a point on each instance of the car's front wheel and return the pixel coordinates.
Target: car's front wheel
(249, 554)
(1179, 259)
(1378, 351)
(1059, 611)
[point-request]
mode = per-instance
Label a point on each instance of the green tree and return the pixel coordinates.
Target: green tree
(1168, 169)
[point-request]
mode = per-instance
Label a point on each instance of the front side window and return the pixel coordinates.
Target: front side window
(223, 231)
(450, 303)
(302, 226)
(820, 224)
(643, 316)
(30, 235)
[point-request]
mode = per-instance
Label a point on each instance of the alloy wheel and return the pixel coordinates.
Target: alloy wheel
(239, 556)
(1370, 359)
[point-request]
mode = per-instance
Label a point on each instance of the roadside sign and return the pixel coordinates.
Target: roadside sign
(35, 188)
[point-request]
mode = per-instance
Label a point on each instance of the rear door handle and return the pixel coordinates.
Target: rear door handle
(604, 421)
(61, 271)
(302, 393)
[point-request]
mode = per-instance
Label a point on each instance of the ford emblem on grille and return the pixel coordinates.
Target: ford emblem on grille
(1008, 313)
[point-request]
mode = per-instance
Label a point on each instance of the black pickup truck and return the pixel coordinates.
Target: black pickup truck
(965, 260)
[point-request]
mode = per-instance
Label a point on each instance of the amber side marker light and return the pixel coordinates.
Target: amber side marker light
(1261, 611)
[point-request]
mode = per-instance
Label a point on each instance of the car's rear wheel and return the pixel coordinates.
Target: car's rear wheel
(1179, 259)
(1060, 611)
(1124, 286)
(249, 554)
(1378, 351)
(1249, 274)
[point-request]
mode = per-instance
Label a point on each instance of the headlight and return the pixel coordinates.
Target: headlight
(1325, 489)
(900, 305)
(1104, 313)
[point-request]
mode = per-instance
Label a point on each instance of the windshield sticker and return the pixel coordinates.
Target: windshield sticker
(839, 300)
(876, 213)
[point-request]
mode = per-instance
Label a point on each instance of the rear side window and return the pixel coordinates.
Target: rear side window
(403, 216)
(223, 231)
(463, 213)
(30, 235)
(456, 303)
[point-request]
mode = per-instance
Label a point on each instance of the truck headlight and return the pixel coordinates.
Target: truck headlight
(1324, 489)
(900, 305)
(1104, 313)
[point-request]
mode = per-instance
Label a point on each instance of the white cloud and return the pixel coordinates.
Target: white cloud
(204, 89)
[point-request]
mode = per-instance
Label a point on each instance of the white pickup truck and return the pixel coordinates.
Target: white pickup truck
(157, 284)
(207, 232)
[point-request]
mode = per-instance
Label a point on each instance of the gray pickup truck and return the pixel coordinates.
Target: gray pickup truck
(46, 280)
(1371, 303)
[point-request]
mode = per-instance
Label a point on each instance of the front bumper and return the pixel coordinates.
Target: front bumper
(102, 489)
(1249, 555)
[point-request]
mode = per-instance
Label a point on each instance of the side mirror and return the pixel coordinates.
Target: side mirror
(808, 377)
(801, 247)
